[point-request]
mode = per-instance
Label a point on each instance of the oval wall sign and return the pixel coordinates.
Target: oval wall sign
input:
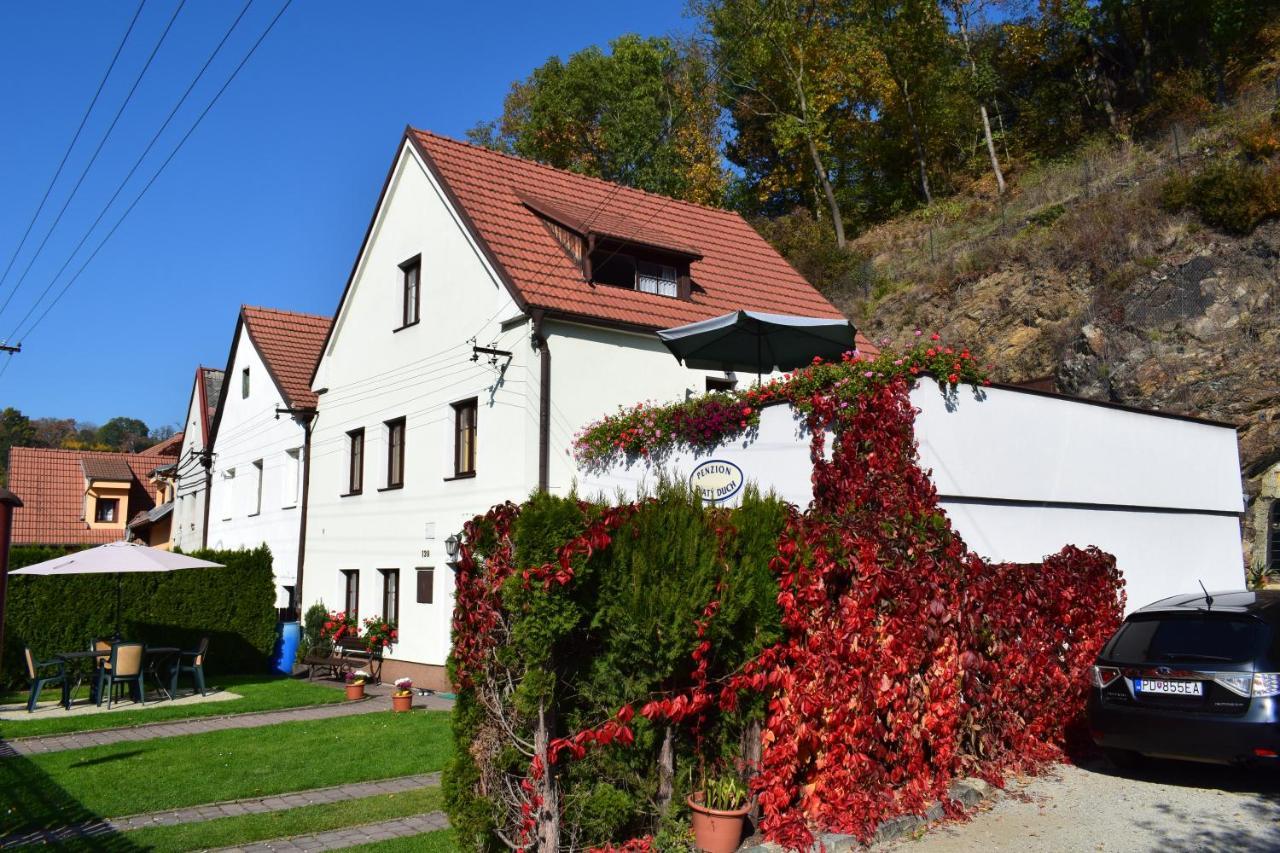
(716, 480)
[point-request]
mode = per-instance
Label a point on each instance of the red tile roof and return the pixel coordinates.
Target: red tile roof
(171, 446)
(109, 467)
(737, 267)
(290, 344)
(51, 485)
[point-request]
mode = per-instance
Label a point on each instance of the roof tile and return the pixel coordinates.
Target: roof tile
(290, 344)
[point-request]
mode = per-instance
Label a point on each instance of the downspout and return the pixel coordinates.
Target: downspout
(544, 400)
(206, 459)
(307, 424)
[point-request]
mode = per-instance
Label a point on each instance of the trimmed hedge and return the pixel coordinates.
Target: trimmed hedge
(233, 606)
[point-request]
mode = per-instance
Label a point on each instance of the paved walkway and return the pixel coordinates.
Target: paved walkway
(199, 725)
(212, 811)
(352, 835)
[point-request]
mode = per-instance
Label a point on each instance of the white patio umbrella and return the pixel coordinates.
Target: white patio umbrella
(116, 558)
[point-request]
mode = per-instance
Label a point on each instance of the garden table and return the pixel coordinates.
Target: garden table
(73, 659)
(154, 656)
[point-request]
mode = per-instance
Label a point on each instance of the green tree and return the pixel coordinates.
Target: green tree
(15, 431)
(125, 434)
(642, 114)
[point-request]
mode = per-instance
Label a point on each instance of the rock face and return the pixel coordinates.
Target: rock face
(1194, 329)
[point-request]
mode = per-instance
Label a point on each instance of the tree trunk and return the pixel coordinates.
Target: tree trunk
(991, 149)
(666, 771)
(836, 219)
(548, 829)
(919, 143)
(982, 108)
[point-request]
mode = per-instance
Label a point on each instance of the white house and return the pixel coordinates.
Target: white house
(495, 307)
(1021, 473)
(191, 472)
(259, 437)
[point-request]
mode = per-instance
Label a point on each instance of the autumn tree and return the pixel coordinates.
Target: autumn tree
(643, 114)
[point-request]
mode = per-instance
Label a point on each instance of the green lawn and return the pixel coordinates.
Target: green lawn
(440, 841)
(234, 831)
(126, 778)
(259, 693)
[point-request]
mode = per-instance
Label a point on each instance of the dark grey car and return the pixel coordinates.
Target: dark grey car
(1193, 677)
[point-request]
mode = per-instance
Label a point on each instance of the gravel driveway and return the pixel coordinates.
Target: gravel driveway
(1165, 806)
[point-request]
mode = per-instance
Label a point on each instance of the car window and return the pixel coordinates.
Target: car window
(1189, 638)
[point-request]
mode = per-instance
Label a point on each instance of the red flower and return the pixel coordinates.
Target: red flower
(953, 379)
(935, 337)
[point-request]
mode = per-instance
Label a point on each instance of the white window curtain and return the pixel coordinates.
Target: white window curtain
(656, 278)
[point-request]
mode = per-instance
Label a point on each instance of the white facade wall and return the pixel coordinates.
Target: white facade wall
(1021, 475)
(187, 531)
(251, 439)
(372, 373)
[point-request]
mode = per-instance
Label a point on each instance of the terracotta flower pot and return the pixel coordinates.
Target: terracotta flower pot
(714, 830)
(355, 691)
(402, 703)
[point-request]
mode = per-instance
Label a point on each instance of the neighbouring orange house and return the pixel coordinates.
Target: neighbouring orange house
(83, 497)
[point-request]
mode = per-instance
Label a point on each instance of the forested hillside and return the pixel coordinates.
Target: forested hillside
(1082, 190)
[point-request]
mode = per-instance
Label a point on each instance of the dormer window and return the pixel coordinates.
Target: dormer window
(639, 268)
(106, 510)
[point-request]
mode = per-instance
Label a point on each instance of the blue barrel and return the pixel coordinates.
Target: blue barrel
(287, 647)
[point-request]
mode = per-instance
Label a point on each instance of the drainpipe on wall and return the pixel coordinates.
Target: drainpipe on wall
(544, 400)
(8, 503)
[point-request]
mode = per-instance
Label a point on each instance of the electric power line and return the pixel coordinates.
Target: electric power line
(74, 139)
(94, 158)
(159, 171)
(124, 182)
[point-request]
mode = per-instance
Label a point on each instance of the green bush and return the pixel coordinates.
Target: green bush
(313, 629)
(233, 606)
(1228, 194)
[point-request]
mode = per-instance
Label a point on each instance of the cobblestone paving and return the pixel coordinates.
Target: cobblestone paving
(352, 835)
(212, 811)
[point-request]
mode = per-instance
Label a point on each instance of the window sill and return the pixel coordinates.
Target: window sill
(391, 488)
(254, 515)
(468, 476)
(290, 506)
(405, 326)
(351, 494)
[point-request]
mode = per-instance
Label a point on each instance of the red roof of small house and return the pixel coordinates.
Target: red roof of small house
(170, 446)
(290, 345)
(51, 484)
(508, 201)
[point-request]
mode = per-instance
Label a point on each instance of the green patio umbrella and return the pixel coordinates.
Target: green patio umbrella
(758, 342)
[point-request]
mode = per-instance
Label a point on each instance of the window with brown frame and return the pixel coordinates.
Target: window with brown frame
(411, 273)
(105, 510)
(395, 453)
(426, 584)
(391, 595)
(464, 438)
(355, 462)
(351, 596)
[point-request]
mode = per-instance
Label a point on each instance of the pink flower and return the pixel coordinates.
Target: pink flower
(868, 374)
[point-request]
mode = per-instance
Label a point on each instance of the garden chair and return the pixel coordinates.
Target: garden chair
(195, 667)
(39, 682)
(124, 667)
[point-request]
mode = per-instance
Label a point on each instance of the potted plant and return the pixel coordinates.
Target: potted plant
(355, 683)
(719, 813)
(402, 699)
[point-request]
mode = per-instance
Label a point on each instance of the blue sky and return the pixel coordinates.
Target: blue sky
(267, 201)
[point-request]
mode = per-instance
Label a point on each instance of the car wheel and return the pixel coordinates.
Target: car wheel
(1125, 759)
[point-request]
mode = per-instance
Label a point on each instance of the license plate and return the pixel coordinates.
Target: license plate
(1168, 688)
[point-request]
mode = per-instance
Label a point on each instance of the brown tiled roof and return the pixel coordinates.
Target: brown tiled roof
(108, 467)
(171, 446)
(737, 268)
(290, 344)
(51, 484)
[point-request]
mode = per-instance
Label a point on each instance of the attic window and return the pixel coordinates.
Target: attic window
(106, 510)
(636, 269)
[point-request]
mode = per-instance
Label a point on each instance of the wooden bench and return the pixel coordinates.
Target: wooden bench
(344, 655)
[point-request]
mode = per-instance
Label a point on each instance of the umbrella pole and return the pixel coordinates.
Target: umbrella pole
(117, 635)
(759, 357)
